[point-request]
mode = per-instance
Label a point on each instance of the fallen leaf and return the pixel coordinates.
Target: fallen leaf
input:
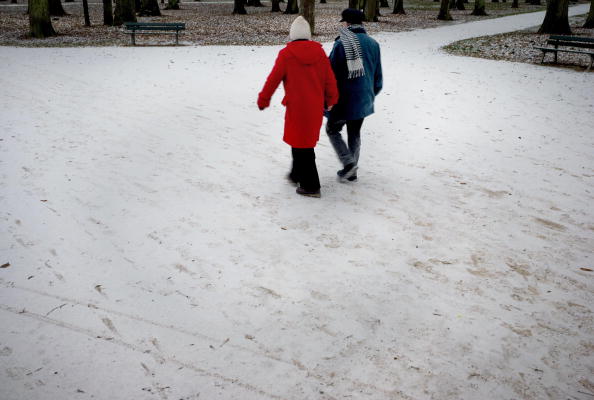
(586, 269)
(5, 265)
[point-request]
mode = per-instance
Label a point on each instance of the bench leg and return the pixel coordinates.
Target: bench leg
(544, 53)
(591, 61)
(133, 39)
(176, 38)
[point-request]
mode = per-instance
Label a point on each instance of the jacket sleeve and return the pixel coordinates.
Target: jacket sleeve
(378, 79)
(274, 79)
(330, 89)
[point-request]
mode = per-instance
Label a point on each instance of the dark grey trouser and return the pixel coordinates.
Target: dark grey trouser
(347, 154)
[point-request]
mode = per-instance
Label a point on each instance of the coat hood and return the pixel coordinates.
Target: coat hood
(306, 51)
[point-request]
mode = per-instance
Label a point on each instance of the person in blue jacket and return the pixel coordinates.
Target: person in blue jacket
(355, 60)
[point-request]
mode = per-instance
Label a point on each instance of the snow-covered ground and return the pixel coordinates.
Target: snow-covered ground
(155, 249)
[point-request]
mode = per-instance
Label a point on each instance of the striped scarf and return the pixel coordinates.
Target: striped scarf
(352, 49)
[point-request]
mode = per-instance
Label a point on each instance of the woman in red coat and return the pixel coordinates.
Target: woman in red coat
(310, 87)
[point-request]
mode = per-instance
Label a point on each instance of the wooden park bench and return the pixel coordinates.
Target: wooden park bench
(571, 44)
(138, 28)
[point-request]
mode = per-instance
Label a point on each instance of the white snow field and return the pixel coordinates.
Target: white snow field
(156, 250)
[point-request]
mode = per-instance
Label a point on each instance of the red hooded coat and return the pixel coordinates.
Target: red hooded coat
(310, 86)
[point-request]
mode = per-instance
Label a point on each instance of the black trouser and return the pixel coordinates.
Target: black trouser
(304, 169)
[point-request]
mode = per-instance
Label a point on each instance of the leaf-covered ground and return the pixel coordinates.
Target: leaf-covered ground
(210, 23)
(519, 46)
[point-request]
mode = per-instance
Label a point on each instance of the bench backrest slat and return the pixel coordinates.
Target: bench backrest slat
(154, 25)
(578, 39)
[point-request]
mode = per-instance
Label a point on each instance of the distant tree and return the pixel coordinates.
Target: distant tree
(322, 1)
(86, 12)
(384, 4)
(515, 4)
(173, 4)
(398, 7)
(254, 3)
(556, 19)
(590, 20)
(444, 11)
(309, 13)
(56, 9)
(149, 8)
(460, 5)
(275, 6)
(354, 4)
(452, 4)
(107, 13)
(292, 7)
(40, 24)
(370, 10)
(124, 12)
(479, 8)
(239, 7)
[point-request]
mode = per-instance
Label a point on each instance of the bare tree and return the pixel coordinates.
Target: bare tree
(384, 4)
(239, 7)
(107, 13)
(124, 12)
(292, 7)
(56, 9)
(149, 8)
(398, 7)
(275, 6)
(308, 8)
(444, 11)
(370, 11)
(479, 8)
(556, 19)
(86, 12)
(40, 24)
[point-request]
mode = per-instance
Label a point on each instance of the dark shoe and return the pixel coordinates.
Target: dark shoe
(349, 171)
(308, 193)
(352, 178)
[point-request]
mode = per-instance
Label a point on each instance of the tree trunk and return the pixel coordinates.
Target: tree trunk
(384, 4)
(590, 20)
(107, 13)
(515, 4)
(308, 11)
(149, 8)
(556, 19)
(275, 6)
(452, 4)
(444, 11)
(398, 7)
(124, 12)
(322, 1)
(354, 4)
(292, 7)
(137, 5)
(173, 5)
(40, 25)
(370, 11)
(460, 5)
(238, 7)
(254, 3)
(86, 12)
(479, 8)
(56, 9)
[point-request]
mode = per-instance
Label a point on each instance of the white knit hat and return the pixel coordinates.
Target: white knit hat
(300, 29)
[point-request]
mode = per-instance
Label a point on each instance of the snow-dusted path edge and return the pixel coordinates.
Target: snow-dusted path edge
(155, 250)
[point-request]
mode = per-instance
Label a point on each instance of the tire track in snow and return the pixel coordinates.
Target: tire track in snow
(136, 348)
(197, 335)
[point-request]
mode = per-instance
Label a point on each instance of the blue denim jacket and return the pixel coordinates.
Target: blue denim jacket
(358, 94)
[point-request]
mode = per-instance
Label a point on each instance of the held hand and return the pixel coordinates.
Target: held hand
(329, 108)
